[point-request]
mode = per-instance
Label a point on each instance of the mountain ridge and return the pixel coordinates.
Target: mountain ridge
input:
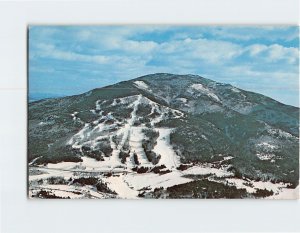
(175, 75)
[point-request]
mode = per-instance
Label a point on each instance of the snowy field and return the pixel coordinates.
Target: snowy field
(128, 184)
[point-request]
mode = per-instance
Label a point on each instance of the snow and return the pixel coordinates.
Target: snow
(114, 102)
(252, 186)
(96, 194)
(80, 135)
(76, 118)
(62, 165)
(152, 180)
(184, 100)
(118, 184)
(168, 156)
(108, 165)
(286, 193)
(128, 99)
(280, 133)
(269, 185)
(239, 184)
(135, 105)
(87, 165)
(62, 190)
(127, 183)
(98, 105)
(234, 89)
(206, 170)
(71, 191)
(89, 134)
(141, 84)
(50, 173)
(34, 160)
(228, 158)
(62, 193)
(135, 143)
(199, 87)
(126, 131)
(114, 158)
(159, 118)
(267, 145)
(263, 156)
(204, 137)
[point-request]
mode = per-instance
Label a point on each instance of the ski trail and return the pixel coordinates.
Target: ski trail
(135, 143)
(168, 156)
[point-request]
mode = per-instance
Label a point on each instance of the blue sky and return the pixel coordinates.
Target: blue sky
(67, 60)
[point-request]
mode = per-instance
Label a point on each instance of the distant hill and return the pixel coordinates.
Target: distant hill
(39, 96)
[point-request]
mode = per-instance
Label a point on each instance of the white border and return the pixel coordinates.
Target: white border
(54, 216)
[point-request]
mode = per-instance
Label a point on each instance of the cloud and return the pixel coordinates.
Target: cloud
(50, 51)
(247, 33)
(256, 49)
(252, 57)
(131, 46)
(274, 53)
(277, 52)
(212, 51)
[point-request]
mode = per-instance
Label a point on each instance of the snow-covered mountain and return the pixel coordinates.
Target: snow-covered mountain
(163, 136)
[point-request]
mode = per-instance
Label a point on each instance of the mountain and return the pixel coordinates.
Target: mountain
(39, 96)
(195, 137)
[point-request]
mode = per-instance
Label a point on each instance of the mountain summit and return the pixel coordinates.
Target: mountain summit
(166, 136)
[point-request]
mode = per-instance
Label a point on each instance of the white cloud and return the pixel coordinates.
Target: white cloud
(277, 52)
(50, 51)
(242, 33)
(256, 49)
(118, 38)
(131, 46)
(213, 51)
(273, 53)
